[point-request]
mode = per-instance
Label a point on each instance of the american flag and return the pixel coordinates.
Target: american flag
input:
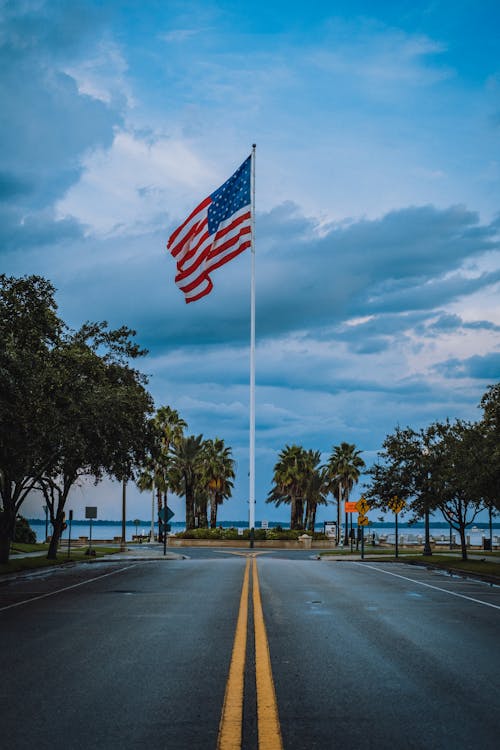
(216, 231)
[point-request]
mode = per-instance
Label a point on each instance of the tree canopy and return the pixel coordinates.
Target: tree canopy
(71, 403)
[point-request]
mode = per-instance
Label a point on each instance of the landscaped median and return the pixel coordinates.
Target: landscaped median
(276, 538)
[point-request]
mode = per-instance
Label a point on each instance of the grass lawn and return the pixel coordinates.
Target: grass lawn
(34, 563)
(369, 551)
(452, 561)
(482, 567)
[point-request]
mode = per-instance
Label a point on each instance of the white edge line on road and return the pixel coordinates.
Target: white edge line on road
(429, 585)
(66, 588)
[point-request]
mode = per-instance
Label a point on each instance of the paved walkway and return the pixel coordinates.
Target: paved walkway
(147, 551)
(136, 551)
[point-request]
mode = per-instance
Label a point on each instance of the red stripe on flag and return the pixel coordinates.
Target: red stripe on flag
(197, 253)
(174, 235)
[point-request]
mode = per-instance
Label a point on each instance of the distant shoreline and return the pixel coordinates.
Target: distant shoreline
(272, 524)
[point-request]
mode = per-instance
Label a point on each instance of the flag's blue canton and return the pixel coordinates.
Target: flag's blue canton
(230, 197)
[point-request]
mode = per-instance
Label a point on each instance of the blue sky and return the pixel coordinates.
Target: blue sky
(377, 194)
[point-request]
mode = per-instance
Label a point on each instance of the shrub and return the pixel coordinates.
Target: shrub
(23, 532)
(201, 534)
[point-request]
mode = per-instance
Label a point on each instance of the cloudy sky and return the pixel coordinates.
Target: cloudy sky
(377, 206)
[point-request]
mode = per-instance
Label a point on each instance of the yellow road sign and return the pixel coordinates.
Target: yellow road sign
(396, 504)
(363, 520)
(362, 506)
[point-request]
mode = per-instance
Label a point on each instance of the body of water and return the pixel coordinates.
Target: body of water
(414, 533)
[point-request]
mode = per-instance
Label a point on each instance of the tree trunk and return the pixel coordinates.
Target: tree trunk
(339, 506)
(463, 542)
(346, 530)
(311, 517)
(293, 513)
(213, 511)
(160, 522)
(308, 515)
(189, 508)
(57, 530)
(203, 515)
(7, 528)
(56, 534)
(299, 513)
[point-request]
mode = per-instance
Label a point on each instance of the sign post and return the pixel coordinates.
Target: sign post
(90, 513)
(362, 507)
(69, 537)
(396, 505)
(165, 515)
(349, 509)
(330, 529)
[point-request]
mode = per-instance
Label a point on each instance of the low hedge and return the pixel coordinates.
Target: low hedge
(277, 534)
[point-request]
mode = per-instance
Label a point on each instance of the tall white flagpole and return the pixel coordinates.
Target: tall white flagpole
(251, 511)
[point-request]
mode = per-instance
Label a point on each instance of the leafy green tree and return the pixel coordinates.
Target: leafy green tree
(436, 468)
(29, 330)
(103, 410)
(490, 465)
(456, 480)
(344, 469)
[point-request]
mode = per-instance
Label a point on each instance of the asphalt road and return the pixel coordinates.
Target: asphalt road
(137, 654)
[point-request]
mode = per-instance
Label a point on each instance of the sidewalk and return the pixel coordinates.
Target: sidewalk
(145, 551)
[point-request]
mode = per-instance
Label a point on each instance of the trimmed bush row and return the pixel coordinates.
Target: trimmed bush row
(277, 534)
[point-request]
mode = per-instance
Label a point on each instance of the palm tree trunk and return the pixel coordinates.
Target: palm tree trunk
(213, 511)
(312, 524)
(300, 513)
(189, 508)
(339, 505)
(160, 522)
(203, 514)
(346, 530)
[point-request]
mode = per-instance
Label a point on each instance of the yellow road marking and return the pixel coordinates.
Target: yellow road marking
(243, 554)
(232, 710)
(267, 707)
(231, 722)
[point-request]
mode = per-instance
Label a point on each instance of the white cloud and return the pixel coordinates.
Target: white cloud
(137, 183)
(103, 75)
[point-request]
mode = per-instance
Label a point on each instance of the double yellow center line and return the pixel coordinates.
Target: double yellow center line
(230, 728)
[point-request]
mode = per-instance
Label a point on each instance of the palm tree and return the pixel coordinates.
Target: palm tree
(218, 473)
(150, 479)
(344, 468)
(289, 481)
(185, 472)
(316, 488)
(170, 428)
(167, 427)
